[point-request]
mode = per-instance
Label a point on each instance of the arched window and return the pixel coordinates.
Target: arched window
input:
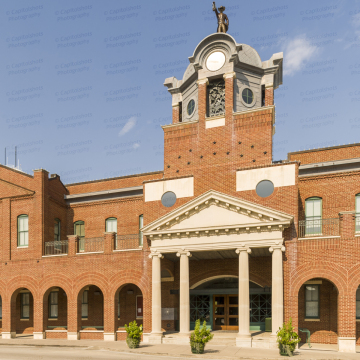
(357, 211)
(23, 230)
(79, 230)
(313, 216)
(57, 233)
(141, 224)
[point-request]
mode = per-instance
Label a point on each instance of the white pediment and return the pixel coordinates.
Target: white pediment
(214, 211)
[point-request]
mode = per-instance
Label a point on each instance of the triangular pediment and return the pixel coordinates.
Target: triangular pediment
(214, 211)
(10, 190)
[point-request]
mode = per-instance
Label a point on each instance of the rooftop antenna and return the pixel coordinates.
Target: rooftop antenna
(15, 155)
(5, 155)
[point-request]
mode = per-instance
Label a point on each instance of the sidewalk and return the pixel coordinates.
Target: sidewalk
(168, 350)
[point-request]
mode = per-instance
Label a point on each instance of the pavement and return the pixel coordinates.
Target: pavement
(28, 348)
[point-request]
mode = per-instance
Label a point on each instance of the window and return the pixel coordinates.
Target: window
(53, 305)
(191, 107)
(141, 224)
(357, 210)
(57, 230)
(358, 303)
(119, 306)
(85, 304)
(139, 307)
(311, 301)
(23, 230)
(313, 215)
(248, 96)
(111, 226)
(25, 305)
(0, 307)
(79, 230)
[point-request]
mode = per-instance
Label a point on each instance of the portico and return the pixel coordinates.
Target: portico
(216, 223)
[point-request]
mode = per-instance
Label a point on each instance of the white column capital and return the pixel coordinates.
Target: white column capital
(230, 75)
(203, 81)
(277, 247)
(183, 252)
(155, 254)
(245, 248)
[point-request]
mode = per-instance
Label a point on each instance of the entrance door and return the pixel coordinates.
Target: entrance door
(226, 312)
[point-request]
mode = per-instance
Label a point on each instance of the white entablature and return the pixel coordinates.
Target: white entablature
(216, 221)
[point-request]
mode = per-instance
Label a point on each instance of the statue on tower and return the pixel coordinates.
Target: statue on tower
(223, 20)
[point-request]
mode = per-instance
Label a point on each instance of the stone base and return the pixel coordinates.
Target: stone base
(244, 341)
(8, 335)
(152, 338)
(73, 336)
(109, 336)
(39, 335)
(347, 344)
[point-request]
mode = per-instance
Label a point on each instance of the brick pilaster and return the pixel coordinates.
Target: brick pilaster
(202, 94)
(73, 246)
(109, 242)
(269, 95)
(176, 113)
(347, 224)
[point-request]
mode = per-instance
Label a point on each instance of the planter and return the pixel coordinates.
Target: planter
(197, 348)
(132, 343)
(286, 350)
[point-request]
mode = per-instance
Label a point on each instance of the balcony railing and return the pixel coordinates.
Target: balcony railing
(87, 245)
(319, 227)
(56, 247)
(124, 242)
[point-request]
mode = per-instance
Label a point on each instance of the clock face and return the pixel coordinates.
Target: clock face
(215, 61)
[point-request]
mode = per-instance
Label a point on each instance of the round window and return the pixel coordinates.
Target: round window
(215, 61)
(264, 188)
(168, 199)
(248, 96)
(191, 107)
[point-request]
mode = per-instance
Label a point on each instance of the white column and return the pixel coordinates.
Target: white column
(243, 338)
(277, 288)
(156, 332)
(184, 292)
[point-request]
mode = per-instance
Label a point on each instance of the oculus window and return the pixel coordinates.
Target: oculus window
(264, 188)
(191, 107)
(215, 61)
(168, 199)
(312, 301)
(248, 96)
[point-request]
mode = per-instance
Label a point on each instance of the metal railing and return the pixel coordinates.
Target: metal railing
(56, 247)
(319, 227)
(124, 242)
(91, 244)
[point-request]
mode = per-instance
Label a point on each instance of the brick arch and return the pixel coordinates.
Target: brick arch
(206, 276)
(22, 282)
(56, 281)
(354, 276)
(331, 272)
(129, 277)
(95, 279)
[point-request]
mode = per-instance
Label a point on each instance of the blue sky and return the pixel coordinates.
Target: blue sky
(81, 82)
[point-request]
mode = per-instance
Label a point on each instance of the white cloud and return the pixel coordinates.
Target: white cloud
(297, 52)
(136, 145)
(128, 126)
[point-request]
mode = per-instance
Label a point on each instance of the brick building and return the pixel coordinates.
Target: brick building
(222, 233)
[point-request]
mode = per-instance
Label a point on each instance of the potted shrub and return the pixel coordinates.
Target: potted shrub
(200, 337)
(287, 339)
(134, 333)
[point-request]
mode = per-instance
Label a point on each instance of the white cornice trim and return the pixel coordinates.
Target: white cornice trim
(180, 123)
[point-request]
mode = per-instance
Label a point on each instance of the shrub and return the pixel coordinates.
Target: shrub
(133, 330)
(200, 336)
(287, 336)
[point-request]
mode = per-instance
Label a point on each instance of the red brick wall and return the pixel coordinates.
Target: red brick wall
(326, 154)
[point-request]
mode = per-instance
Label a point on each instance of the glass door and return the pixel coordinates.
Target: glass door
(226, 312)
